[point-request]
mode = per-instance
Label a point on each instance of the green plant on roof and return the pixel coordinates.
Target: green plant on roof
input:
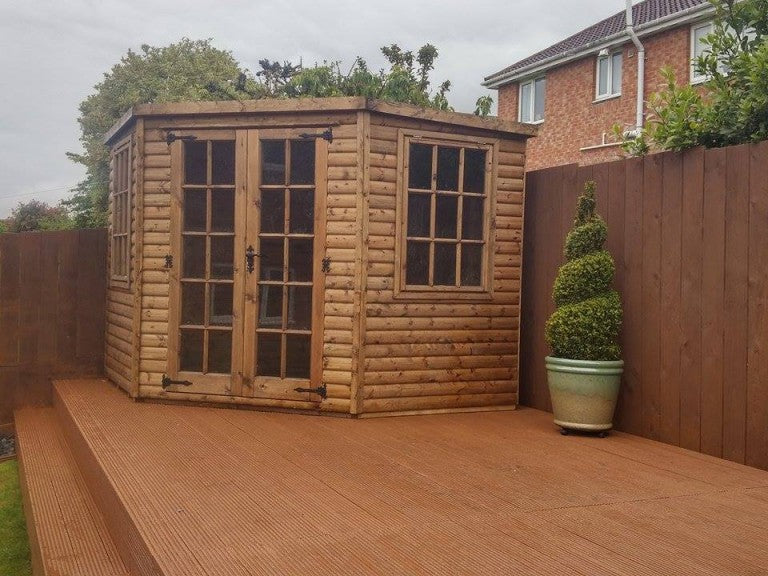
(586, 323)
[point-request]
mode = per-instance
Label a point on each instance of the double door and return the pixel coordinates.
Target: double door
(246, 286)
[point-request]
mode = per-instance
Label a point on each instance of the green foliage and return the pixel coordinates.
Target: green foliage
(584, 278)
(585, 237)
(14, 550)
(193, 70)
(588, 318)
(483, 105)
(36, 215)
(3, 227)
(734, 106)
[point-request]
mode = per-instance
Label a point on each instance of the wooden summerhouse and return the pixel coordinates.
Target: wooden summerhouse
(340, 255)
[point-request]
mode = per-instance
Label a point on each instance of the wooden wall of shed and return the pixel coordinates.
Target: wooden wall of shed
(443, 353)
(119, 351)
(342, 236)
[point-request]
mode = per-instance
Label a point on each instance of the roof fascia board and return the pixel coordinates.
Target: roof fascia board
(671, 21)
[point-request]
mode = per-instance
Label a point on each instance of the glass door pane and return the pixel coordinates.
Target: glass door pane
(207, 259)
(286, 247)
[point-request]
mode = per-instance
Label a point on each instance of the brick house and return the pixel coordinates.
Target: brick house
(578, 88)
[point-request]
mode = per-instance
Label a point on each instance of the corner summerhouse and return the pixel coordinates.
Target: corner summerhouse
(337, 255)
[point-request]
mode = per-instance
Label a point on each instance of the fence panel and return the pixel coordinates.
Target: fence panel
(689, 233)
(52, 303)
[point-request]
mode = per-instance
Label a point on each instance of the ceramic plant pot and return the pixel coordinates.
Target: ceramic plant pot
(583, 392)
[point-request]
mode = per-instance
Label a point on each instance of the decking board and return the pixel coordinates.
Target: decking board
(215, 491)
(67, 532)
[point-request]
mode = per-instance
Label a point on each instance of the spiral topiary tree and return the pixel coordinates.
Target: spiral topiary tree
(588, 318)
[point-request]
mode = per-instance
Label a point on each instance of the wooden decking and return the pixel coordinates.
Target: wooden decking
(203, 491)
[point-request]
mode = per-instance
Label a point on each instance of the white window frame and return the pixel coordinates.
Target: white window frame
(696, 78)
(532, 111)
(613, 91)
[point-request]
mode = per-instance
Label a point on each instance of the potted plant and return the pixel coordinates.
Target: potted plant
(584, 370)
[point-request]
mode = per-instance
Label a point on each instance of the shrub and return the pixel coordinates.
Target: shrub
(588, 318)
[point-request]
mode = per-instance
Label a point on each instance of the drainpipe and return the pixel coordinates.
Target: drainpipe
(640, 72)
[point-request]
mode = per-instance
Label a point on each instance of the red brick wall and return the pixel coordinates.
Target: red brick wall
(573, 120)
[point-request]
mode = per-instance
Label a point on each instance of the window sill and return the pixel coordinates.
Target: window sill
(437, 295)
(533, 123)
(604, 98)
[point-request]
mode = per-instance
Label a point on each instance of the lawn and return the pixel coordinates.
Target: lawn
(14, 546)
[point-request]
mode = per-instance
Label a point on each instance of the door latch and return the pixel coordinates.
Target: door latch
(250, 254)
(325, 135)
(326, 264)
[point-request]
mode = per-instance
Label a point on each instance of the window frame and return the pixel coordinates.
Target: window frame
(695, 78)
(120, 232)
(532, 83)
(613, 92)
(481, 292)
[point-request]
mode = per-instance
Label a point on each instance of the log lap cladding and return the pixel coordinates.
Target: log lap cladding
(340, 255)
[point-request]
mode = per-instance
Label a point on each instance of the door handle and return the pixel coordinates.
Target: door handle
(250, 254)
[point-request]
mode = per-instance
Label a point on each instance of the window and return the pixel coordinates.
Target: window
(609, 75)
(532, 96)
(445, 204)
(699, 48)
(121, 214)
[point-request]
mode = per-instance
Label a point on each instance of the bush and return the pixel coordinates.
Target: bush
(588, 318)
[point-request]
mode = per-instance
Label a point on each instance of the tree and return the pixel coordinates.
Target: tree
(186, 70)
(37, 215)
(734, 107)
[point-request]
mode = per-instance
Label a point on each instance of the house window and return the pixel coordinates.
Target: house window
(121, 215)
(698, 49)
(532, 95)
(444, 207)
(609, 75)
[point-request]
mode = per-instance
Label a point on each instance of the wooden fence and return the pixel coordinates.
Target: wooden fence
(689, 233)
(52, 301)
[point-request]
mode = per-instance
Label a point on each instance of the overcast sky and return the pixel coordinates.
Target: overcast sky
(54, 52)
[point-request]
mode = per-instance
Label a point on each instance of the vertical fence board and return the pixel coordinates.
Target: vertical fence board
(691, 304)
(9, 300)
(736, 320)
(631, 395)
(712, 293)
(757, 359)
(530, 300)
(30, 288)
(91, 276)
(66, 322)
(670, 330)
(651, 294)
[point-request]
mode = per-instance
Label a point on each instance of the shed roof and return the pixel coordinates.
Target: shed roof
(647, 16)
(306, 105)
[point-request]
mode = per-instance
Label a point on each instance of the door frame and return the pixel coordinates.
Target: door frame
(242, 380)
(270, 386)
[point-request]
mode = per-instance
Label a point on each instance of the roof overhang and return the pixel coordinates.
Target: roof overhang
(297, 106)
(673, 20)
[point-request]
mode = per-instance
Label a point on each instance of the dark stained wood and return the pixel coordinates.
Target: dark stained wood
(757, 351)
(631, 394)
(670, 329)
(52, 300)
(475, 494)
(736, 310)
(688, 233)
(692, 220)
(529, 307)
(651, 296)
(713, 381)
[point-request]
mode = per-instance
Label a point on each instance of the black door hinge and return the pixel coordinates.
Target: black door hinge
(169, 261)
(166, 381)
(326, 264)
(321, 391)
(170, 138)
(326, 135)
